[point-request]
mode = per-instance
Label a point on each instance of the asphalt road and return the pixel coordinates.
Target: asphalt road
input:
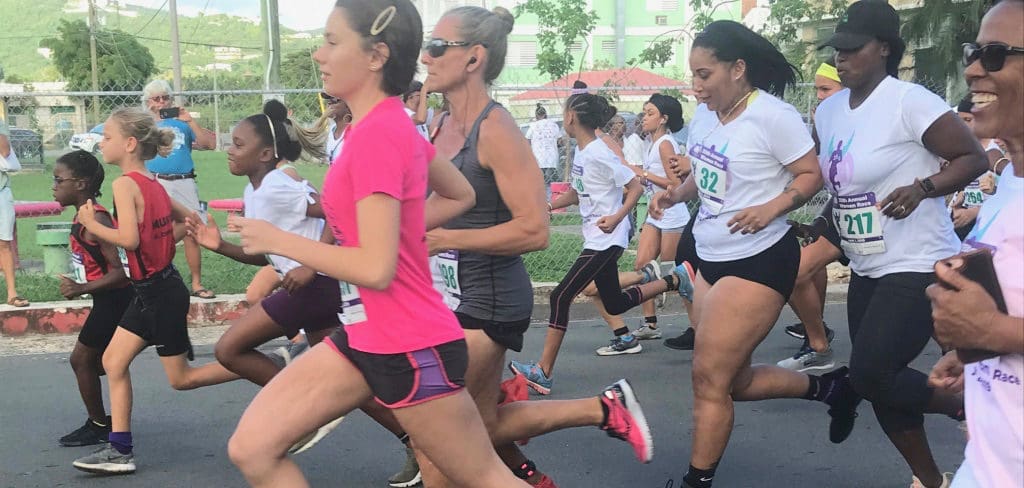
(181, 436)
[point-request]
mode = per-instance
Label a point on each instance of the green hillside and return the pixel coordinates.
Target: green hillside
(24, 23)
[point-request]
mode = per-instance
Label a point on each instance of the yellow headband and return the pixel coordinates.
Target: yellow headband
(828, 72)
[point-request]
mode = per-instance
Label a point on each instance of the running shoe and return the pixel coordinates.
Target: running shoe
(545, 482)
(314, 437)
(651, 272)
(683, 342)
(89, 434)
(947, 479)
(842, 402)
(685, 278)
(647, 332)
(618, 346)
(797, 331)
(410, 473)
(106, 460)
(807, 359)
(284, 355)
(535, 376)
(626, 419)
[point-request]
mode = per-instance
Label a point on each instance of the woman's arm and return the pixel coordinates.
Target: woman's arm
(806, 182)
(565, 199)
(208, 236)
(666, 151)
(451, 193)
(126, 235)
(114, 277)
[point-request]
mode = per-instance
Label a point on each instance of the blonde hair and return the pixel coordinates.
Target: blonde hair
(140, 124)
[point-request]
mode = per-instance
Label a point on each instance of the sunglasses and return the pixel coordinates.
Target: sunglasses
(992, 55)
(437, 47)
(160, 98)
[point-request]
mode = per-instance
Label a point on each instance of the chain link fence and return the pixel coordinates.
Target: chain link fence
(47, 121)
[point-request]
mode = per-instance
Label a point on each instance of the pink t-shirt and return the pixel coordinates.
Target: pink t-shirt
(385, 154)
(994, 388)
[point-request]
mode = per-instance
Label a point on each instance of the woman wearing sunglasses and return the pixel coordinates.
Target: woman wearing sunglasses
(339, 116)
(479, 253)
(881, 142)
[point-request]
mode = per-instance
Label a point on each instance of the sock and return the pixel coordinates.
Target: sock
(652, 321)
(525, 471)
(403, 438)
(122, 441)
(822, 389)
(700, 478)
(670, 280)
(621, 331)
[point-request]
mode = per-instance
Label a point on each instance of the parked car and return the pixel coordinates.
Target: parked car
(88, 141)
(28, 145)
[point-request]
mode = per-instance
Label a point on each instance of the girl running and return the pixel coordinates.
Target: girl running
(77, 178)
(486, 281)
(882, 140)
(598, 177)
(400, 345)
(158, 314)
(753, 162)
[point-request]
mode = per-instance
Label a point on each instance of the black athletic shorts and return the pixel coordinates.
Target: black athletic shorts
(831, 234)
(409, 378)
(508, 334)
(159, 313)
(108, 307)
(775, 267)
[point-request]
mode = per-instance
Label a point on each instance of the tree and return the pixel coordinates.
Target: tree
(561, 23)
(941, 26)
(122, 63)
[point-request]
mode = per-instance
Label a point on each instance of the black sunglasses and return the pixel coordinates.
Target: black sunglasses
(328, 99)
(992, 55)
(437, 47)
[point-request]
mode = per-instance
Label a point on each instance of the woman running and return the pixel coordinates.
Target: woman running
(598, 179)
(158, 314)
(753, 162)
(399, 345)
(882, 140)
(98, 271)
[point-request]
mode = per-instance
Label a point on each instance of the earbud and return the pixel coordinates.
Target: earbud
(472, 60)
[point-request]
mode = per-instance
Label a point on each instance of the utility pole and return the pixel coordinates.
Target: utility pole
(172, 6)
(271, 45)
(95, 68)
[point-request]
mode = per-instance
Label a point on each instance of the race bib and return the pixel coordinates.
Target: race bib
(711, 173)
(859, 223)
(973, 196)
(77, 268)
(123, 256)
(448, 268)
(352, 309)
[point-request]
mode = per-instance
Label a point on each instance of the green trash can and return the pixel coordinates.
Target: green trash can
(53, 238)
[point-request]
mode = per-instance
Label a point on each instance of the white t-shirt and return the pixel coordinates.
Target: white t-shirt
(993, 391)
(598, 177)
(543, 135)
(334, 144)
(868, 152)
(739, 165)
(677, 216)
(282, 201)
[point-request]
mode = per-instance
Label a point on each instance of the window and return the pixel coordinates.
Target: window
(576, 48)
(661, 20)
(608, 46)
(662, 5)
(522, 53)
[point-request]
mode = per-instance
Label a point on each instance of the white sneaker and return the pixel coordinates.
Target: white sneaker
(807, 359)
(314, 437)
(947, 479)
(619, 346)
(647, 333)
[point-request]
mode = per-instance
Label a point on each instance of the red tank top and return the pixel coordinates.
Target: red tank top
(85, 253)
(156, 230)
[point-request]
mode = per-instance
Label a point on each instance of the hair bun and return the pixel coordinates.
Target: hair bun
(506, 18)
(275, 110)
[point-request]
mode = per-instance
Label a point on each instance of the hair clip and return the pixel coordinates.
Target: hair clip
(383, 20)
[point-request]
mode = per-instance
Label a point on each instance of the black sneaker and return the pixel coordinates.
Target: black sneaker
(843, 402)
(87, 435)
(796, 331)
(683, 342)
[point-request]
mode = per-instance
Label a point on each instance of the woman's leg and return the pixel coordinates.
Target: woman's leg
(181, 376)
(236, 349)
(119, 355)
(86, 362)
(808, 298)
(262, 285)
(649, 247)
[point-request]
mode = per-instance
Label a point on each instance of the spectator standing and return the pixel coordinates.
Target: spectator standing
(8, 163)
(543, 135)
(176, 172)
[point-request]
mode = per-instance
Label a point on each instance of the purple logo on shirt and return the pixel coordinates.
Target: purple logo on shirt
(840, 163)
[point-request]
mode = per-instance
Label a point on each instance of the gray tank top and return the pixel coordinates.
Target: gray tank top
(494, 288)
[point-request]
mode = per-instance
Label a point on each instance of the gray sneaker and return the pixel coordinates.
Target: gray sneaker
(106, 461)
(647, 333)
(807, 359)
(618, 346)
(410, 473)
(651, 272)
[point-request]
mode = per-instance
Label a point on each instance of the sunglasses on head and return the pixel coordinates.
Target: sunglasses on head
(992, 55)
(437, 47)
(160, 98)
(329, 100)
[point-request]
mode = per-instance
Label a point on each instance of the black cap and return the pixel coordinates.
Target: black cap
(865, 20)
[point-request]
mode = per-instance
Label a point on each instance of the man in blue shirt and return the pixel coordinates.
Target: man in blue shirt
(176, 171)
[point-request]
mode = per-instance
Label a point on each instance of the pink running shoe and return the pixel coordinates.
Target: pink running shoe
(626, 419)
(545, 482)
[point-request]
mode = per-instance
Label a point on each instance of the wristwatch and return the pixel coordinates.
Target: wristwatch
(927, 186)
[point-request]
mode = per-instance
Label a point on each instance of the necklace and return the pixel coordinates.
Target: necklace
(727, 114)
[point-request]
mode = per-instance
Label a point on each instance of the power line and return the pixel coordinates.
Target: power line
(199, 43)
(153, 17)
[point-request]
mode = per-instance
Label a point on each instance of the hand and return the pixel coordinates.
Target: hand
(964, 216)
(637, 170)
(988, 184)
(961, 309)
(258, 236)
(752, 219)
(207, 235)
(808, 233)
(184, 115)
(69, 288)
(608, 223)
(297, 278)
(680, 165)
(437, 242)
(948, 373)
(87, 214)
(660, 202)
(902, 201)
